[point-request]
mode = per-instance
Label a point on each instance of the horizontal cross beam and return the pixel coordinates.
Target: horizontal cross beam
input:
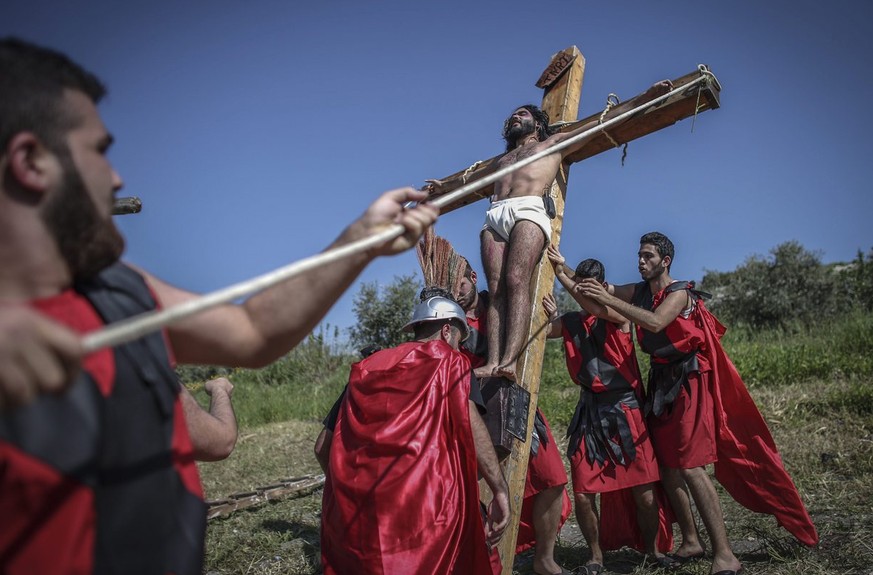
(698, 98)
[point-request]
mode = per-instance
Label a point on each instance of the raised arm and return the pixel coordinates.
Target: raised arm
(550, 307)
(214, 432)
(655, 321)
(589, 305)
(270, 323)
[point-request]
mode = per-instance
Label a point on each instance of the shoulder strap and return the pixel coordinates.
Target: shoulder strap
(689, 285)
(118, 293)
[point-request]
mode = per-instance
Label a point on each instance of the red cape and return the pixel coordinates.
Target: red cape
(401, 494)
(619, 526)
(749, 466)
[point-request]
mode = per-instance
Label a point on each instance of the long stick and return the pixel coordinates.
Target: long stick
(140, 325)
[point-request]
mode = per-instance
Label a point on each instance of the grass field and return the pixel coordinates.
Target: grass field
(827, 446)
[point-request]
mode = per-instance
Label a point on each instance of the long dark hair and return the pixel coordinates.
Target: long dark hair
(540, 117)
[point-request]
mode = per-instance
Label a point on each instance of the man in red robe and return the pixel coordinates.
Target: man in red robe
(610, 452)
(401, 494)
(699, 410)
(546, 505)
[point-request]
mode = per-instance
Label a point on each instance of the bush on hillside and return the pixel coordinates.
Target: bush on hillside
(382, 312)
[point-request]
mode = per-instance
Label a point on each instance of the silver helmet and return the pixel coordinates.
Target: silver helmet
(439, 308)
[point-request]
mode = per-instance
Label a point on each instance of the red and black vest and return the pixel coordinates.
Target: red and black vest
(673, 350)
(601, 360)
(101, 479)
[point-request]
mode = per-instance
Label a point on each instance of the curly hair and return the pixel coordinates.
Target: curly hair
(540, 117)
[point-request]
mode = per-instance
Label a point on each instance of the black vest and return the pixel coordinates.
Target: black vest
(120, 445)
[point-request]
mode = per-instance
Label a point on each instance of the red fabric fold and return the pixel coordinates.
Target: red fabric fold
(544, 470)
(401, 495)
(619, 526)
(749, 466)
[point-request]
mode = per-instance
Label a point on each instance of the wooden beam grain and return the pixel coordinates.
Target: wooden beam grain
(686, 104)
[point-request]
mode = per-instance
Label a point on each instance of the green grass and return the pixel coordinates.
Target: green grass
(814, 389)
(833, 349)
(826, 447)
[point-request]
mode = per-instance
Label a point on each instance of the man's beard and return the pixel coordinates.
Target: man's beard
(87, 243)
(520, 130)
(654, 274)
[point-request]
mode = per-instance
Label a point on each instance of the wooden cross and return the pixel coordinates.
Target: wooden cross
(562, 85)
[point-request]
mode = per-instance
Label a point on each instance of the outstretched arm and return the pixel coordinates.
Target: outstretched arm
(654, 321)
(654, 91)
(550, 306)
(214, 432)
(270, 323)
(489, 468)
(591, 306)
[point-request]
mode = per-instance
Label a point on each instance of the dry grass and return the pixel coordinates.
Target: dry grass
(826, 444)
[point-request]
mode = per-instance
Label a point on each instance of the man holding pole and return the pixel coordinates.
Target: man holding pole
(99, 476)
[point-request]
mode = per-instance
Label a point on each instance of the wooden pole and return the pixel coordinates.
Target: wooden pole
(562, 82)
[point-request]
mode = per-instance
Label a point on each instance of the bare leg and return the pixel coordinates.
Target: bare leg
(493, 257)
(546, 516)
(647, 516)
(709, 507)
(674, 485)
(525, 249)
(589, 524)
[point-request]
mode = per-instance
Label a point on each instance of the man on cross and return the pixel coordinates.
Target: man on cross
(517, 228)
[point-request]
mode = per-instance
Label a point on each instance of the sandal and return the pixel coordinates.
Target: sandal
(683, 559)
(666, 562)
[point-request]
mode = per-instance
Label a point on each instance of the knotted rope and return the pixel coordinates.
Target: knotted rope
(611, 102)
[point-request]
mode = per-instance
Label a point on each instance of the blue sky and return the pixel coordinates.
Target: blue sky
(255, 131)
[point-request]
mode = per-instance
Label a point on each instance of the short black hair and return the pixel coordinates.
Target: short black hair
(661, 242)
(32, 84)
(590, 268)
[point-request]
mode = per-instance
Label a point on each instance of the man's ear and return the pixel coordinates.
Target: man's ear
(29, 162)
(472, 276)
(666, 261)
(446, 332)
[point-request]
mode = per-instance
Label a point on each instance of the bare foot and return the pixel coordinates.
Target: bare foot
(506, 370)
(547, 567)
(484, 371)
(685, 553)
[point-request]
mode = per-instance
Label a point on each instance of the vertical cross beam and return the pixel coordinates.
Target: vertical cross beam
(562, 82)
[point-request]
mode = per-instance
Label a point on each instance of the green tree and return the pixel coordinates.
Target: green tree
(857, 280)
(788, 287)
(383, 311)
